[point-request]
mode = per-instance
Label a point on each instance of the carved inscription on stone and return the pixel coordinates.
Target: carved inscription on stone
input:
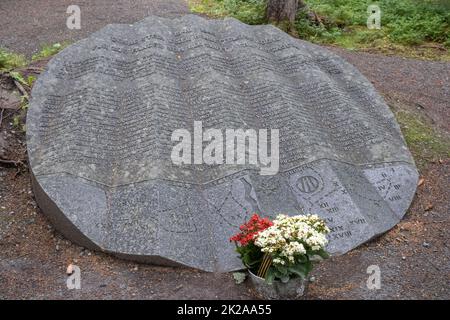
(102, 115)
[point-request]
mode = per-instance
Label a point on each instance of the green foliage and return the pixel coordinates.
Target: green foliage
(30, 80)
(343, 22)
(19, 118)
(251, 256)
(285, 273)
(49, 50)
(16, 121)
(288, 246)
(302, 266)
(18, 77)
(248, 11)
(413, 30)
(407, 22)
(9, 60)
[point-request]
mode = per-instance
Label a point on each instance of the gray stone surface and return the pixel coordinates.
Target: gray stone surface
(101, 118)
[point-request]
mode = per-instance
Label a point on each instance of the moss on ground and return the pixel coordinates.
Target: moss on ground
(49, 50)
(375, 41)
(426, 143)
(10, 60)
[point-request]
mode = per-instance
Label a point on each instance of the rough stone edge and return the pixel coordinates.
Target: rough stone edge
(70, 231)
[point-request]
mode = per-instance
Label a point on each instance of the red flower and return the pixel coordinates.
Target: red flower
(250, 229)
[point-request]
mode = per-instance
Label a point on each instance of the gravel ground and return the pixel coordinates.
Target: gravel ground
(413, 257)
(421, 84)
(25, 25)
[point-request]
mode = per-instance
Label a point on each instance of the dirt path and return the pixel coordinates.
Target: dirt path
(413, 257)
(424, 85)
(25, 25)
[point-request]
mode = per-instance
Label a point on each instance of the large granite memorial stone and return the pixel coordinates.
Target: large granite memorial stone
(102, 115)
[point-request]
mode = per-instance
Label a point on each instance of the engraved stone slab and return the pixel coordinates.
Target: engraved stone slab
(101, 118)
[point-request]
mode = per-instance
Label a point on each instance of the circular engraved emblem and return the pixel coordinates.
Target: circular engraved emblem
(307, 184)
(154, 209)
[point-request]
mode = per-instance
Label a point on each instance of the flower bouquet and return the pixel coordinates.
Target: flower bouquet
(282, 251)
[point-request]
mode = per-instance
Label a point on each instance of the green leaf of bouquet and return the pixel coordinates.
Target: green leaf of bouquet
(300, 270)
(270, 275)
(308, 267)
(323, 254)
(282, 270)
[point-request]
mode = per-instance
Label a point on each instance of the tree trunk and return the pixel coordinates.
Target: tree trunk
(280, 11)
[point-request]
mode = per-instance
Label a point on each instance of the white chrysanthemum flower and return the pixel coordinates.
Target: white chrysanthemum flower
(291, 237)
